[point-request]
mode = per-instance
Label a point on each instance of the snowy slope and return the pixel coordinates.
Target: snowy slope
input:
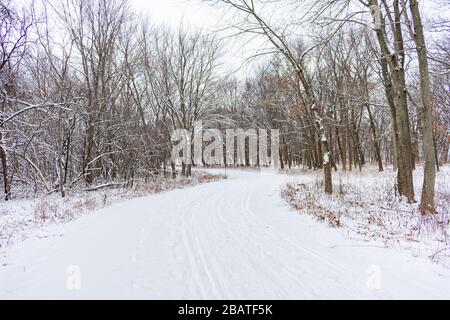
(231, 239)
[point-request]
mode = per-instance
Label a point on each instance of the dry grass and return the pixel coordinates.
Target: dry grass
(367, 204)
(308, 204)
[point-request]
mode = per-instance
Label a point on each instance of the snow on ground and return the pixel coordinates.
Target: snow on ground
(33, 215)
(366, 203)
(232, 239)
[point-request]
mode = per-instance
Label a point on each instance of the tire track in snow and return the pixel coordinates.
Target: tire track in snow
(244, 243)
(333, 265)
(232, 239)
(193, 249)
(217, 274)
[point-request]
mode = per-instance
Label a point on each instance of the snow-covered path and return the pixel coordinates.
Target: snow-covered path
(233, 239)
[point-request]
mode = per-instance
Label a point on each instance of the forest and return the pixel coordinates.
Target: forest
(90, 103)
(91, 92)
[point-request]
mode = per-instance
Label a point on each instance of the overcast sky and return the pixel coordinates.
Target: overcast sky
(173, 12)
(200, 15)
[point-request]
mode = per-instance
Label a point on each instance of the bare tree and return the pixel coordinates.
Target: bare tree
(417, 33)
(184, 79)
(14, 31)
(254, 23)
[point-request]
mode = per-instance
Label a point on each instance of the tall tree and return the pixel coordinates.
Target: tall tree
(427, 200)
(14, 32)
(255, 23)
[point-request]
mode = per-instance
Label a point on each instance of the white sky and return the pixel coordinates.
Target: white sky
(198, 14)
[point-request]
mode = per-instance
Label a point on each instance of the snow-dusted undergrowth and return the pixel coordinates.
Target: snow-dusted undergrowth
(21, 218)
(366, 203)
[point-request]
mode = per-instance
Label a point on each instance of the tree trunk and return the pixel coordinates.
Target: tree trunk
(444, 155)
(189, 170)
(375, 140)
(174, 171)
(397, 100)
(6, 186)
(427, 200)
(4, 158)
(183, 169)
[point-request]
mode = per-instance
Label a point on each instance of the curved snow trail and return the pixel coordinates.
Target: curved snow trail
(232, 239)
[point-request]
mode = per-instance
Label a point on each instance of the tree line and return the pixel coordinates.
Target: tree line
(90, 91)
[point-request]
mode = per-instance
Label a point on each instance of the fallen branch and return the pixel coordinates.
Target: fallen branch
(108, 185)
(433, 256)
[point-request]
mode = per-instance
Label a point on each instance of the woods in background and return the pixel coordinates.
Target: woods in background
(90, 93)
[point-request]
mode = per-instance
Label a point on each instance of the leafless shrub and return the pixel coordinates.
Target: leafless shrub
(46, 210)
(308, 204)
(360, 204)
